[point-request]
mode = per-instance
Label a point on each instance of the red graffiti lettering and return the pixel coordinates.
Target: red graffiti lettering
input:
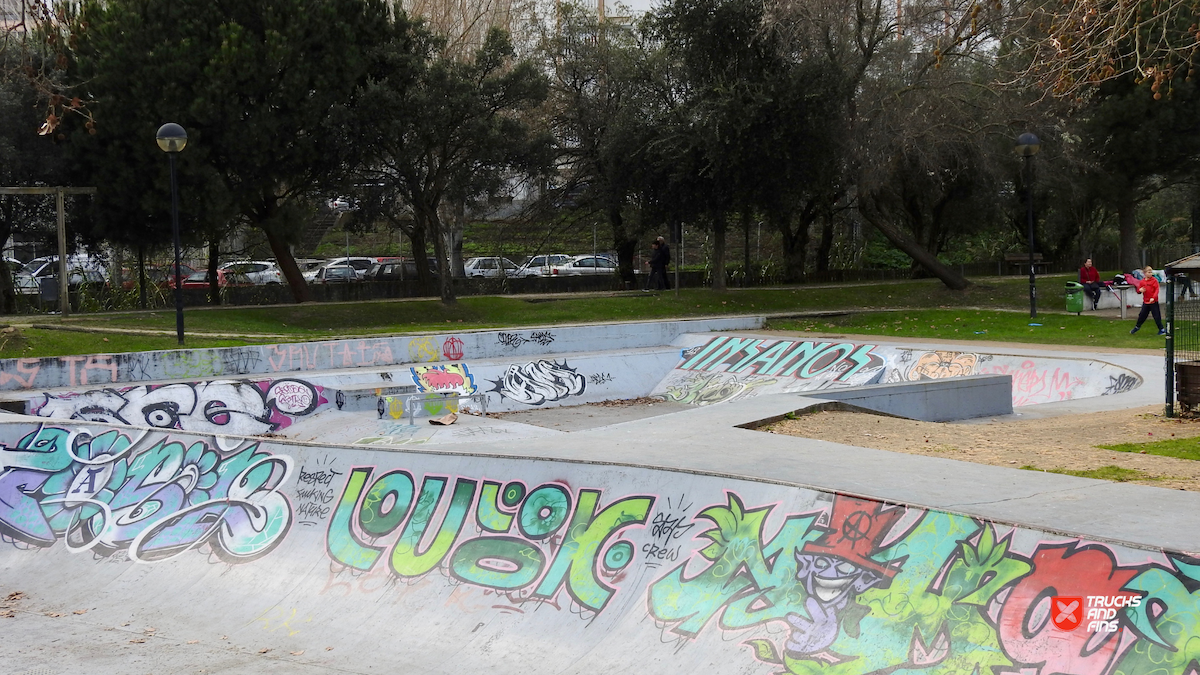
(438, 379)
(1026, 628)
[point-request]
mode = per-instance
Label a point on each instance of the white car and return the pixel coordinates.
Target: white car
(585, 265)
(260, 272)
(81, 268)
(540, 265)
(492, 268)
(361, 265)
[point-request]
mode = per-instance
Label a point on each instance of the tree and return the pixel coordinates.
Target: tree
(599, 109)
(1133, 146)
(26, 159)
(449, 132)
(260, 86)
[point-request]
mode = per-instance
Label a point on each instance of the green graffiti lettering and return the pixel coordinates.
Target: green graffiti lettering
(503, 563)
(407, 560)
(544, 511)
(763, 359)
(798, 357)
(822, 362)
(586, 537)
(712, 344)
(386, 504)
(341, 542)
(861, 357)
(488, 515)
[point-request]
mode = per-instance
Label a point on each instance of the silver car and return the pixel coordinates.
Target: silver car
(585, 265)
(493, 267)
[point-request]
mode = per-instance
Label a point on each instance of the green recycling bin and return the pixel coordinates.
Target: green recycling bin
(1074, 297)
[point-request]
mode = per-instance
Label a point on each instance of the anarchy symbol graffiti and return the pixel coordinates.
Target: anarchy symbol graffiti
(856, 527)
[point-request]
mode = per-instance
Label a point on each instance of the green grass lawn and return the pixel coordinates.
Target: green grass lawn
(980, 324)
(926, 303)
(1182, 448)
(1114, 473)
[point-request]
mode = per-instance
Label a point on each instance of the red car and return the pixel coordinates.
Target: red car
(163, 277)
(225, 279)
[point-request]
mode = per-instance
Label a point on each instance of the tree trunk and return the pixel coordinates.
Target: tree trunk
(718, 254)
(141, 262)
(420, 254)
(214, 288)
(825, 246)
(7, 292)
(1127, 222)
(445, 275)
(795, 245)
(746, 222)
(924, 258)
(455, 220)
(287, 265)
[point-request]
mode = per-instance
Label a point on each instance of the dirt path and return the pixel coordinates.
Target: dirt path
(1065, 442)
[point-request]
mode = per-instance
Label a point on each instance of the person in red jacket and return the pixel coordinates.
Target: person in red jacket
(1148, 287)
(1089, 277)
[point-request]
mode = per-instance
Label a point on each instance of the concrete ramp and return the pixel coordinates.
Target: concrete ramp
(719, 368)
(131, 550)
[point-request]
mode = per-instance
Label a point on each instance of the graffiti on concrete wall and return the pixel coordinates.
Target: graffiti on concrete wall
(536, 541)
(782, 358)
(451, 379)
(513, 340)
(710, 388)
(1032, 383)
(936, 365)
(144, 494)
(871, 588)
(539, 382)
(218, 406)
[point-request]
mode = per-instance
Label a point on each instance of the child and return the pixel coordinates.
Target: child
(1148, 287)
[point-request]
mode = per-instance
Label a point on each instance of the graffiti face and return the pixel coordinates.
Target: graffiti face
(539, 382)
(452, 379)
(830, 584)
(936, 365)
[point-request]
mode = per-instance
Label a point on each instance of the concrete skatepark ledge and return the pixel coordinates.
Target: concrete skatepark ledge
(162, 526)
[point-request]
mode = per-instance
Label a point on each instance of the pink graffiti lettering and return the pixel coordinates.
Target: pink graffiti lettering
(437, 379)
(292, 397)
(1025, 627)
(1030, 385)
(101, 362)
(27, 367)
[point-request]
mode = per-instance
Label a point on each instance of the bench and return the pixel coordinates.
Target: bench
(1018, 263)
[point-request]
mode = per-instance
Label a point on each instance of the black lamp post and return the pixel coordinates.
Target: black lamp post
(171, 140)
(1028, 146)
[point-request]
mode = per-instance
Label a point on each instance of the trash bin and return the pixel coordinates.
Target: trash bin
(1074, 297)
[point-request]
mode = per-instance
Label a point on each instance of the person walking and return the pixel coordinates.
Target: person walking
(1089, 278)
(1148, 287)
(660, 257)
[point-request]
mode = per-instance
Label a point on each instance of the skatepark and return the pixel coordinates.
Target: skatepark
(291, 509)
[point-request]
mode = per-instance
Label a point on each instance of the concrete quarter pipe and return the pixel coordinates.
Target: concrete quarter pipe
(132, 549)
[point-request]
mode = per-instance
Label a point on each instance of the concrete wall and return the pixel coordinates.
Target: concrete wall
(943, 400)
(713, 369)
(254, 407)
(179, 552)
(273, 360)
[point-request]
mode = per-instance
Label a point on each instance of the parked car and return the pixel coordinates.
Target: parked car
(162, 277)
(394, 269)
(81, 269)
(335, 274)
(259, 272)
(361, 265)
(492, 267)
(585, 265)
(225, 279)
(540, 265)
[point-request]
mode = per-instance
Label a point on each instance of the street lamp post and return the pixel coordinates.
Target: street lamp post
(172, 139)
(1028, 146)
